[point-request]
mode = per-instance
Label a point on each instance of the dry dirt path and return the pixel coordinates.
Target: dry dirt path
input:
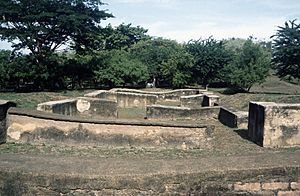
(95, 166)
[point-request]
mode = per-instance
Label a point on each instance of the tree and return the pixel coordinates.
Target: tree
(79, 68)
(250, 65)
(176, 71)
(15, 70)
(123, 36)
(153, 53)
(210, 57)
(42, 26)
(286, 50)
(119, 68)
(4, 61)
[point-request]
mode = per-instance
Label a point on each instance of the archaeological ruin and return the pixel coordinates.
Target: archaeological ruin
(188, 120)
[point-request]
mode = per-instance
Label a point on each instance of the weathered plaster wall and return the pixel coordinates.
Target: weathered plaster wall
(210, 100)
(170, 112)
(65, 107)
(166, 95)
(192, 101)
(81, 106)
(97, 107)
(4, 106)
(274, 125)
(233, 119)
(25, 126)
(126, 99)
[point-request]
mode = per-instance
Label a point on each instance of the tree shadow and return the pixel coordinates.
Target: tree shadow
(233, 91)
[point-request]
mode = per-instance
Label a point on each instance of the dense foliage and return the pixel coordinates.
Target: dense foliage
(42, 26)
(165, 59)
(210, 58)
(119, 68)
(286, 50)
(66, 47)
(250, 64)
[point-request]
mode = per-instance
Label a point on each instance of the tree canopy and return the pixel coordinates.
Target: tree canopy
(123, 36)
(154, 52)
(42, 26)
(210, 57)
(286, 50)
(250, 64)
(125, 55)
(119, 68)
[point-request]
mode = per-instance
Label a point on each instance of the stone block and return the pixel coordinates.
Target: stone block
(98, 94)
(233, 119)
(275, 186)
(125, 99)
(210, 100)
(4, 106)
(288, 193)
(274, 125)
(98, 107)
(191, 101)
(250, 187)
(295, 185)
(102, 94)
(65, 107)
(173, 113)
(130, 100)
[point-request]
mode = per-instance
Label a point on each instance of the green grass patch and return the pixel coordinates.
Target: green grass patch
(31, 100)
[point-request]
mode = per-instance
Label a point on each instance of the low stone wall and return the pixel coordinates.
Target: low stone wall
(97, 107)
(103, 94)
(41, 127)
(4, 106)
(210, 100)
(81, 106)
(274, 125)
(65, 107)
(233, 119)
(192, 101)
(264, 182)
(126, 99)
(167, 95)
(173, 113)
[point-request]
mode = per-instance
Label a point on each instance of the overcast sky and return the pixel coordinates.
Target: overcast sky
(183, 20)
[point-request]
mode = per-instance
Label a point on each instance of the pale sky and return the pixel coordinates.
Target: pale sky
(183, 20)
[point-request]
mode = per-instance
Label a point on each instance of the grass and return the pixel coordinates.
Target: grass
(31, 100)
(131, 113)
(273, 90)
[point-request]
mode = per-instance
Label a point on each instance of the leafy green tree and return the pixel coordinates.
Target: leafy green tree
(78, 69)
(176, 71)
(286, 50)
(4, 61)
(122, 36)
(250, 65)
(119, 68)
(210, 57)
(153, 53)
(15, 70)
(42, 26)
